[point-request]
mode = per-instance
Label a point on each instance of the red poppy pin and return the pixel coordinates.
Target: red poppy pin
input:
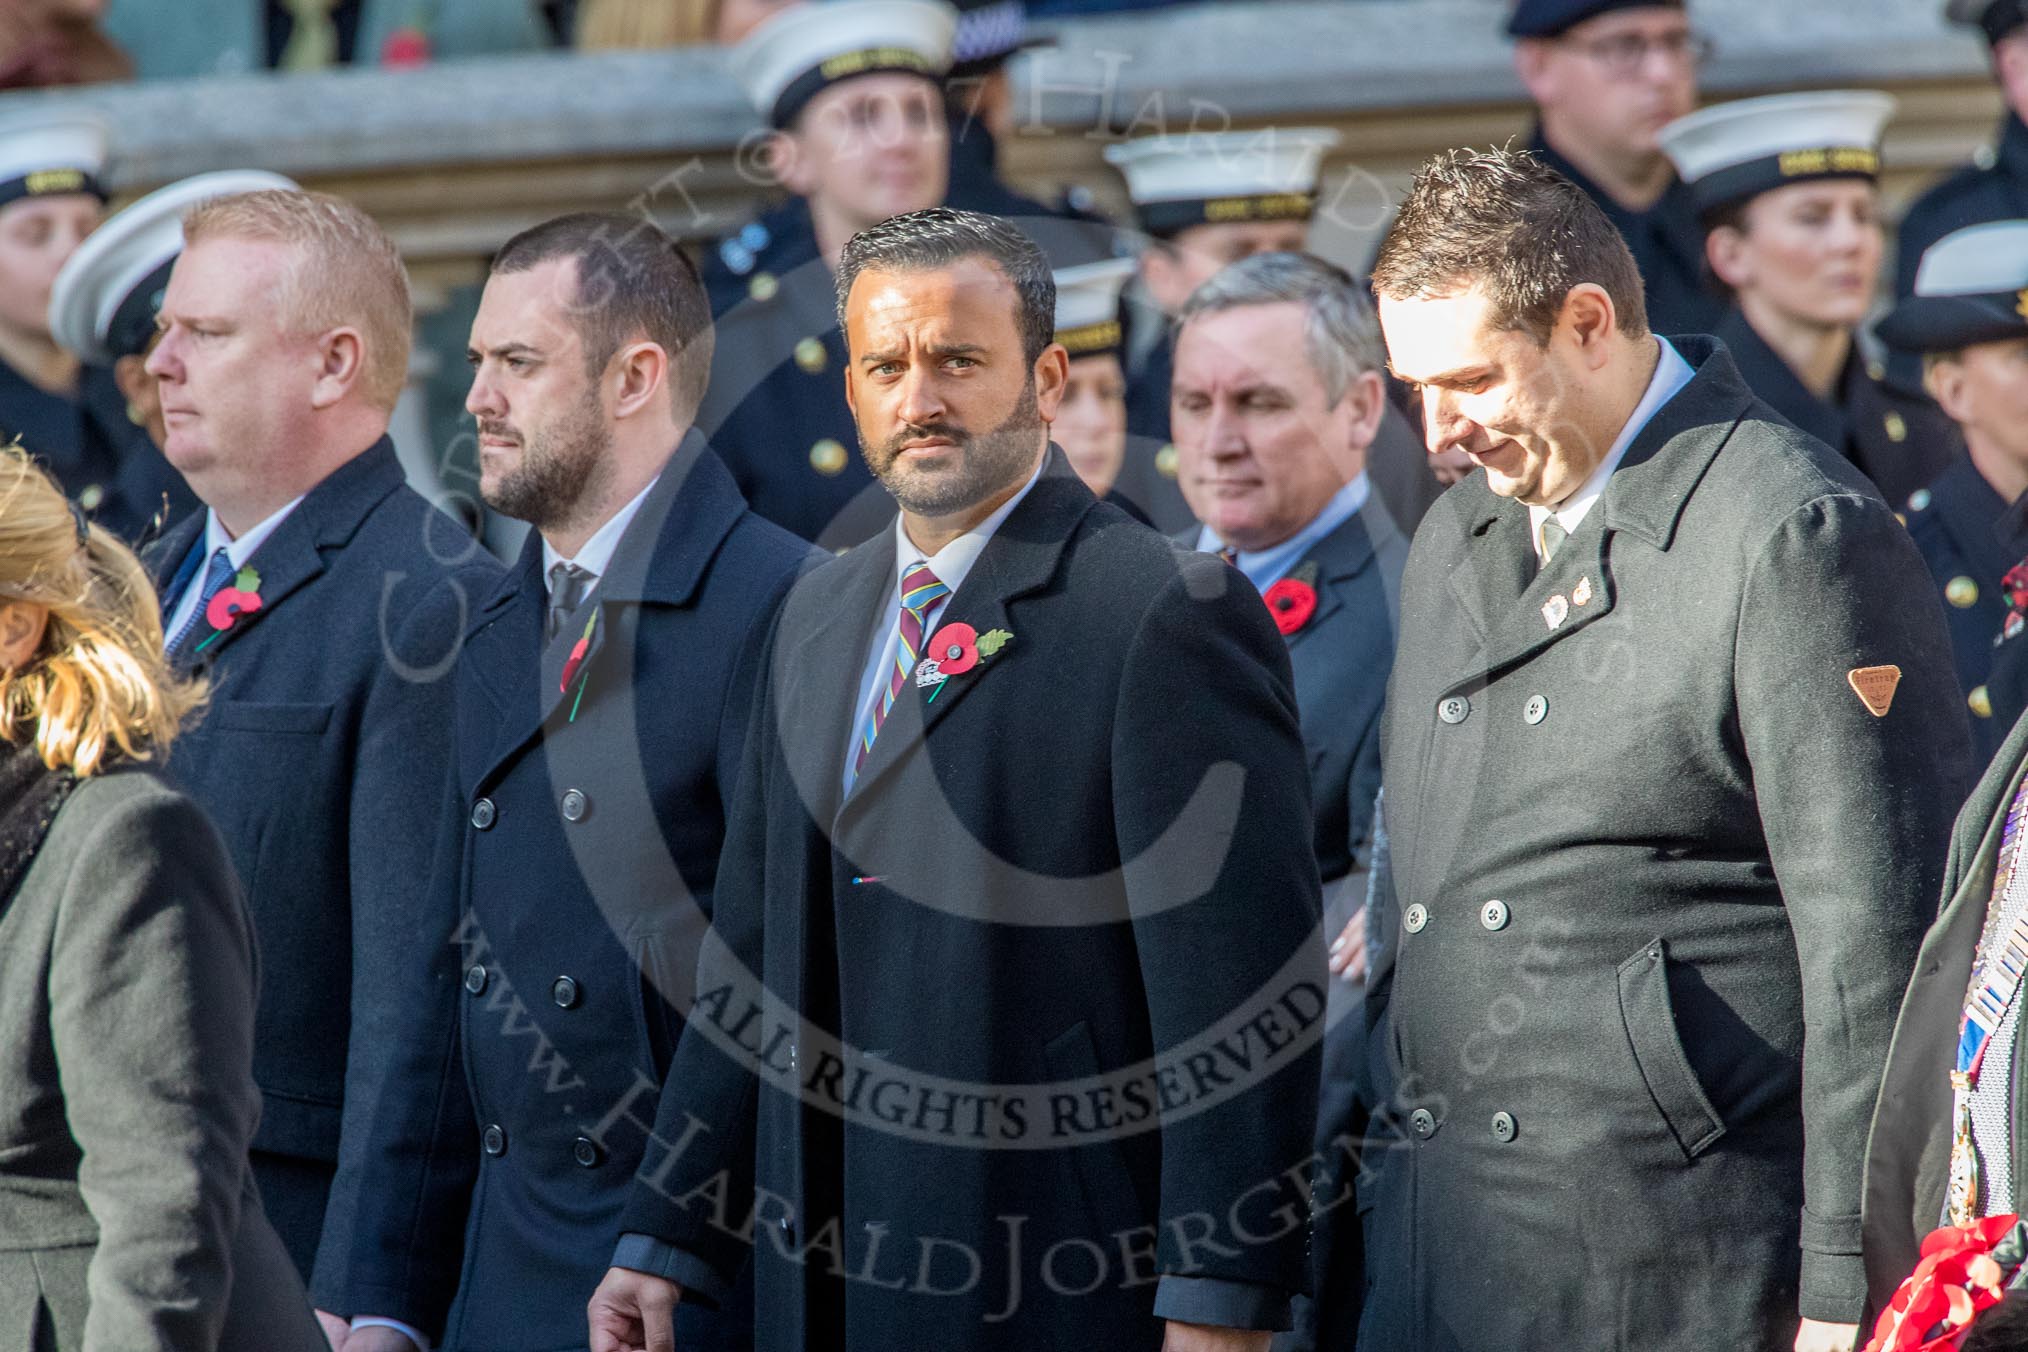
(573, 664)
(955, 650)
(1293, 599)
(2014, 586)
(223, 610)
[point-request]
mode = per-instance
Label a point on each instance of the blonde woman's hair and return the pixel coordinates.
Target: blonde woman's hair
(99, 687)
(348, 273)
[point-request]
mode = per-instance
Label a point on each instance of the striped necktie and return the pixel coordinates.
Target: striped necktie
(920, 594)
(216, 574)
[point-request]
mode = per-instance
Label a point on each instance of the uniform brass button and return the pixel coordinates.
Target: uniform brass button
(586, 1152)
(1415, 918)
(475, 979)
(93, 495)
(763, 286)
(1918, 501)
(810, 355)
(828, 457)
(1897, 426)
(1535, 710)
(1962, 592)
(1455, 709)
(494, 1140)
(1423, 1123)
(1980, 703)
(575, 805)
(484, 814)
(1503, 1127)
(1493, 915)
(1875, 371)
(565, 992)
(1165, 461)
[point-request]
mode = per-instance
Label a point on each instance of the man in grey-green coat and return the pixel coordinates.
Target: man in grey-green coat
(1671, 758)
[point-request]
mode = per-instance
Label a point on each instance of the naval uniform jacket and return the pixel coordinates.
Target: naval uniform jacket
(1900, 443)
(1908, 1153)
(323, 756)
(1970, 537)
(1662, 874)
(1088, 849)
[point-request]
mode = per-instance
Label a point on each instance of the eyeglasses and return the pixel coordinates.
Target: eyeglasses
(1624, 55)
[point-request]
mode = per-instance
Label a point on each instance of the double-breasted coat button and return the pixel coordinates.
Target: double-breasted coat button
(575, 805)
(564, 991)
(1414, 918)
(1897, 426)
(586, 1152)
(1493, 915)
(1455, 709)
(828, 457)
(1535, 710)
(494, 1139)
(92, 497)
(810, 355)
(1503, 1127)
(1423, 1123)
(475, 979)
(1167, 460)
(1980, 702)
(484, 814)
(1962, 592)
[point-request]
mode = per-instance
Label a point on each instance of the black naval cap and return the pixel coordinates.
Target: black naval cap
(1971, 287)
(1552, 18)
(1995, 18)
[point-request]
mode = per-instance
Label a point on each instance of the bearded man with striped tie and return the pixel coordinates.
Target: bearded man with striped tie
(1006, 1031)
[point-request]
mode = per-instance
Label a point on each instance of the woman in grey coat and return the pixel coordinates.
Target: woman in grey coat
(128, 1220)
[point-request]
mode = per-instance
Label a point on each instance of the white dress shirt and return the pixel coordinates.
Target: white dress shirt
(1265, 567)
(597, 554)
(952, 564)
(1672, 373)
(237, 552)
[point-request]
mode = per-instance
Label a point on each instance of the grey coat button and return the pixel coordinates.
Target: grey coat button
(1503, 1127)
(475, 979)
(484, 814)
(494, 1140)
(1493, 915)
(575, 805)
(1455, 709)
(1414, 918)
(1535, 710)
(1423, 1123)
(565, 992)
(586, 1152)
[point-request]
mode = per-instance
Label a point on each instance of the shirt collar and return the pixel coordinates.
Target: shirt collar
(238, 549)
(954, 561)
(1672, 373)
(596, 555)
(1265, 566)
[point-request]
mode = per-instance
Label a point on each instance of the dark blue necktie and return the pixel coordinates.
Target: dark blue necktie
(219, 573)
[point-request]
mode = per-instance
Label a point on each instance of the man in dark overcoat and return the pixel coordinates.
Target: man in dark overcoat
(1672, 750)
(325, 602)
(601, 712)
(1279, 394)
(1006, 1030)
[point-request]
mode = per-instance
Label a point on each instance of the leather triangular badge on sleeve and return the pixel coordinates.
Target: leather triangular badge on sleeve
(1875, 687)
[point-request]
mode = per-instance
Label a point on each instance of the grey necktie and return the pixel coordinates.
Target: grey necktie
(567, 585)
(1553, 536)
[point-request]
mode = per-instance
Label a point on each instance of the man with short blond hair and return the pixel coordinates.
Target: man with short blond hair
(325, 601)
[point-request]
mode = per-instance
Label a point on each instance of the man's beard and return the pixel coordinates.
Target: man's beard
(985, 463)
(563, 466)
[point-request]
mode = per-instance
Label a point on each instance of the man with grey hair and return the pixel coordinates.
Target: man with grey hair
(1277, 399)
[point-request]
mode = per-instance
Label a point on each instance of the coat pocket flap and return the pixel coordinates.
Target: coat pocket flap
(1650, 1022)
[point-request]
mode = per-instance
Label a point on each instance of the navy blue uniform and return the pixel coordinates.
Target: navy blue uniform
(1969, 536)
(100, 458)
(577, 877)
(323, 757)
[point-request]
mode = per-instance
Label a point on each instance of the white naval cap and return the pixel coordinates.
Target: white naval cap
(1971, 287)
(47, 157)
(1088, 306)
(1209, 178)
(1996, 18)
(1730, 152)
(809, 47)
(103, 303)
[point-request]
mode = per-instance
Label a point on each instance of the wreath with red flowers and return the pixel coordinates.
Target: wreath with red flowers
(1956, 1281)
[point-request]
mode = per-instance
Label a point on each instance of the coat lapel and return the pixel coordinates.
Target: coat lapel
(326, 519)
(825, 633)
(1021, 558)
(1340, 557)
